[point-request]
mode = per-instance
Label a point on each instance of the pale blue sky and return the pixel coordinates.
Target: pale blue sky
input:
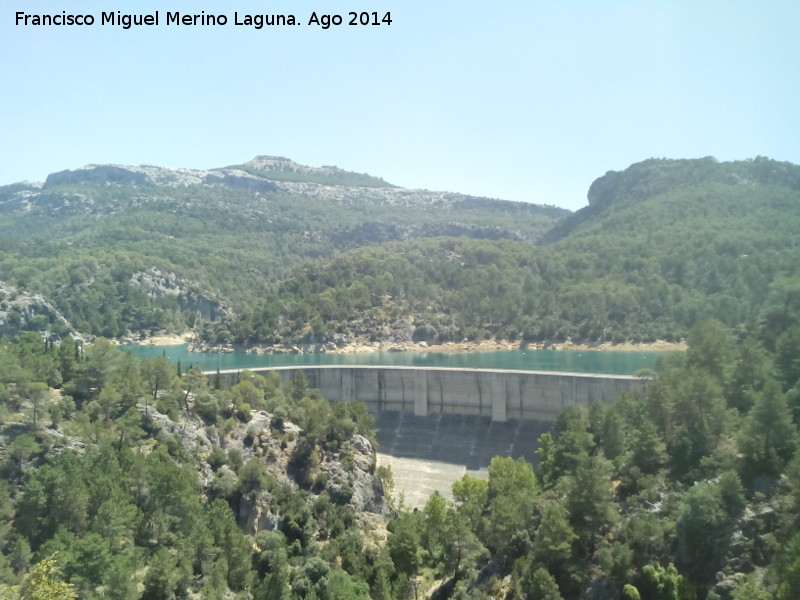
(520, 100)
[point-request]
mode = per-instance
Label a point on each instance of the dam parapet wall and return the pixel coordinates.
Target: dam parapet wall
(502, 395)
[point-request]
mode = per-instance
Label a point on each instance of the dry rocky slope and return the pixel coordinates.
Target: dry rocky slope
(349, 478)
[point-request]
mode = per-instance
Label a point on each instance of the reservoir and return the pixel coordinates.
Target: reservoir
(575, 361)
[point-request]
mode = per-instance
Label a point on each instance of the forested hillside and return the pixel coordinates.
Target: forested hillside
(272, 252)
(139, 482)
(118, 250)
(661, 247)
(123, 478)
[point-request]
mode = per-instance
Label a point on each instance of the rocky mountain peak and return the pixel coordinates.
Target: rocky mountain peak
(143, 175)
(287, 165)
(279, 168)
(264, 161)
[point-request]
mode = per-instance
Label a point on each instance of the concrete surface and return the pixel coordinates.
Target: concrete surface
(430, 453)
(500, 394)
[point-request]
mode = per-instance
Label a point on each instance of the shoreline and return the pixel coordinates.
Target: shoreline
(167, 339)
(444, 348)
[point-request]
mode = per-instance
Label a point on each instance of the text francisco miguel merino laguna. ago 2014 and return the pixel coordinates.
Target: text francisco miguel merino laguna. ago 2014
(127, 21)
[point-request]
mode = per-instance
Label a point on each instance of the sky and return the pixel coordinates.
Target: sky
(522, 100)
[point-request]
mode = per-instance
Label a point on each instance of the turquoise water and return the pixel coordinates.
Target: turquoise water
(580, 361)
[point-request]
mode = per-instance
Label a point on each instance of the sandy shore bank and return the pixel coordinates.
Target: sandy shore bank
(448, 347)
(173, 339)
(657, 346)
(494, 345)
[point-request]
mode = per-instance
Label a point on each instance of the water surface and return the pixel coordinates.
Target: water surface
(579, 361)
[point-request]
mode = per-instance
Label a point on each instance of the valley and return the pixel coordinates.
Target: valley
(128, 476)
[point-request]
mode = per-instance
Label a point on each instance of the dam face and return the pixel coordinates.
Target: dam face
(498, 394)
(437, 424)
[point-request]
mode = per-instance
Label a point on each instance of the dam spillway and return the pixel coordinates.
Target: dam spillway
(501, 395)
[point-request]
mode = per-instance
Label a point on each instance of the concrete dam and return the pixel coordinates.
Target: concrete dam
(436, 424)
(501, 395)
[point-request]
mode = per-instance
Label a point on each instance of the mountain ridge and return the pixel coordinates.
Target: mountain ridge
(263, 174)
